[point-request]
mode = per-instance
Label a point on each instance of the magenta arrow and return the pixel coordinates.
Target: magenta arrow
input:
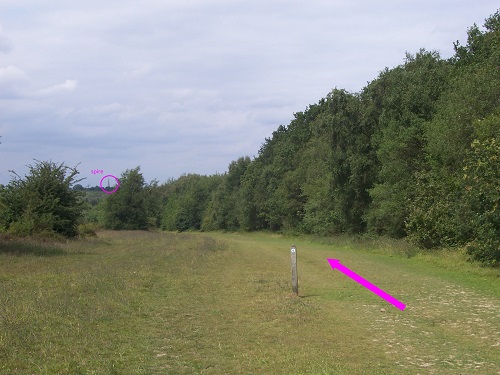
(335, 263)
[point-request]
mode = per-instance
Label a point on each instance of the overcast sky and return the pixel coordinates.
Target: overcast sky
(187, 86)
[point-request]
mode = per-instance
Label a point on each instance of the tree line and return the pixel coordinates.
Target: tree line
(414, 154)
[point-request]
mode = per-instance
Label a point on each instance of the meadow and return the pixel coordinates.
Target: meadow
(139, 302)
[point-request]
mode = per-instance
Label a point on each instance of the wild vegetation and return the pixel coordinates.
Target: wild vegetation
(414, 155)
(139, 302)
(42, 202)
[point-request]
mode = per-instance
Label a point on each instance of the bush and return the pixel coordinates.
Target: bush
(481, 178)
(22, 228)
(42, 201)
(486, 250)
(88, 230)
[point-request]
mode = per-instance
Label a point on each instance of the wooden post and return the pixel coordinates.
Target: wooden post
(295, 277)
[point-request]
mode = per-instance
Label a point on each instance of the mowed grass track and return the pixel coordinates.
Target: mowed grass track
(164, 303)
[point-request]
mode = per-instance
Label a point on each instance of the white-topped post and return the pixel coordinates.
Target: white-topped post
(295, 277)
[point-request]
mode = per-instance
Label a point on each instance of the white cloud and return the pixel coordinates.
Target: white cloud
(11, 75)
(6, 44)
(13, 82)
(68, 86)
(138, 72)
(160, 82)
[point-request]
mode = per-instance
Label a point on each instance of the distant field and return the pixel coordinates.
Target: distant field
(166, 303)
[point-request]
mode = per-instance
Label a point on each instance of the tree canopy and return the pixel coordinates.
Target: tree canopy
(126, 208)
(415, 154)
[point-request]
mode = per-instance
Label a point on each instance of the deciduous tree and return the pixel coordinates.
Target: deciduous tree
(126, 208)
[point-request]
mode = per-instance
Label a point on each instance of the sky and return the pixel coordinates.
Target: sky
(187, 86)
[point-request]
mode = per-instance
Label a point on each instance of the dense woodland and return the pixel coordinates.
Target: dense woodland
(415, 154)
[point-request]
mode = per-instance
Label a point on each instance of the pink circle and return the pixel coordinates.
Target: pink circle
(117, 184)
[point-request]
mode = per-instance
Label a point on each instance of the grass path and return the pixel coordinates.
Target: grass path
(446, 327)
(163, 303)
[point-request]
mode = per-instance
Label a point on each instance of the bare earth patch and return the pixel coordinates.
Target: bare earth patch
(435, 327)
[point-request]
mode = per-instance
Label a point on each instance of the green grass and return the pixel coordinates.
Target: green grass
(166, 303)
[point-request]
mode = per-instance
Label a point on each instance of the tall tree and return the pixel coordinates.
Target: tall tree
(187, 199)
(439, 215)
(409, 94)
(126, 208)
(224, 207)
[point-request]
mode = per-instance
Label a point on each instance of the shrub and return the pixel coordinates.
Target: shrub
(42, 201)
(88, 230)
